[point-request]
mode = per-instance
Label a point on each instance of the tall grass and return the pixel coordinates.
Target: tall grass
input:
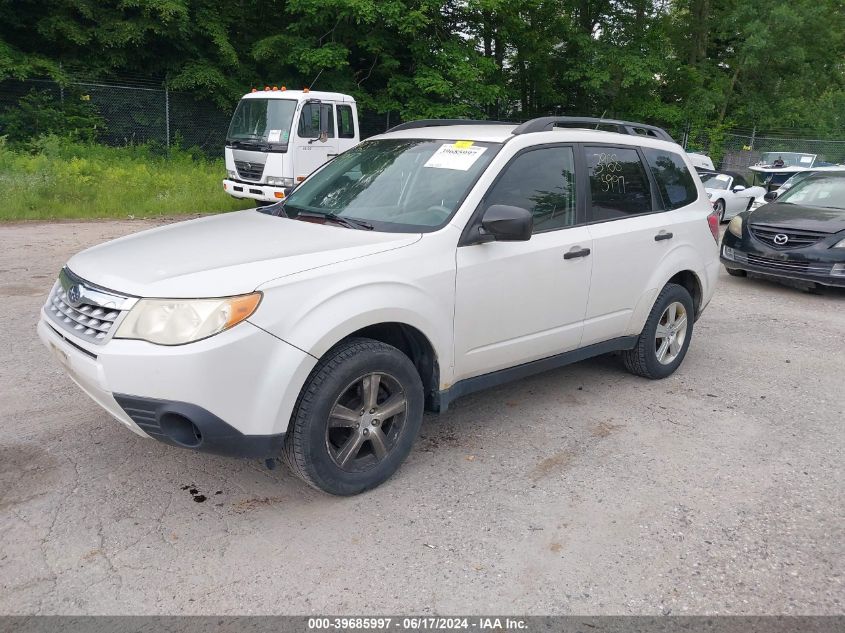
(57, 178)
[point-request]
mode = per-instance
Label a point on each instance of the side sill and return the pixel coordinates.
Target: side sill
(493, 379)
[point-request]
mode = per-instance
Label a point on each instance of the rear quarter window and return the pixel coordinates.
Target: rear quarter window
(675, 184)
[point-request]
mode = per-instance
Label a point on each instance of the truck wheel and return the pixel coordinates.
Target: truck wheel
(664, 341)
(356, 417)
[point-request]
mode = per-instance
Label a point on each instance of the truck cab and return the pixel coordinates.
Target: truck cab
(277, 137)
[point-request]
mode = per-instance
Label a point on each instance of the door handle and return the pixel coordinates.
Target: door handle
(576, 251)
(663, 235)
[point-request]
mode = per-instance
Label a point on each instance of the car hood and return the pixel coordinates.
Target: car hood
(799, 217)
(223, 255)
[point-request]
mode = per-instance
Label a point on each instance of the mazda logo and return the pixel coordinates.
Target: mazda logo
(74, 296)
(781, 239)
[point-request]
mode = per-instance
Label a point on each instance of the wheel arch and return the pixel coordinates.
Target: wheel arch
(412, 342)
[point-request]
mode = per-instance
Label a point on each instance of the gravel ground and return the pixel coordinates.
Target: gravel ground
(584, 490)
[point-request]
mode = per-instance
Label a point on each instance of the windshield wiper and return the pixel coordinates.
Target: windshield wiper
(352, 223)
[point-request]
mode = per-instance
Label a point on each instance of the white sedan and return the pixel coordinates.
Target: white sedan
(729, 193)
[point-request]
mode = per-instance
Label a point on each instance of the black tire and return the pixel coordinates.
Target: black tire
(719, 207)
(342, 373)
(736, 272)
(643, 360)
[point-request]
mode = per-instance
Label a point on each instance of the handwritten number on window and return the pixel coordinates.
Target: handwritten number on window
(608, 171)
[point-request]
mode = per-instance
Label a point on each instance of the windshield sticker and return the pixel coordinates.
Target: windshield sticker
(806, 159)
(455, 156)
(722, 177)
(463, 144)
(274, 136)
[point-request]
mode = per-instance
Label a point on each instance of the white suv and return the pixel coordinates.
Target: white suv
(435, 260)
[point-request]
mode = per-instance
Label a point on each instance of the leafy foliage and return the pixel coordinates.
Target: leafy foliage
(702, 63)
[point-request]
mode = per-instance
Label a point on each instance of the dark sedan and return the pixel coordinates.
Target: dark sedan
(801, 236)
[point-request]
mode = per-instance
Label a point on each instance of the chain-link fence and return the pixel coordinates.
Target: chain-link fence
(148, 112)
(737, 150)
(139, 110)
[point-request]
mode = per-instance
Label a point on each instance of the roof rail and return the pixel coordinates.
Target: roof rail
(547, 123)
(413, 125)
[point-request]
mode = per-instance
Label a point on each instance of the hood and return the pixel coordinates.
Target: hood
(799, 217)
(223, 255)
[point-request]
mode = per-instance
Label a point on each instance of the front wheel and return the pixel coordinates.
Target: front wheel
(664, 341)
(356, 418)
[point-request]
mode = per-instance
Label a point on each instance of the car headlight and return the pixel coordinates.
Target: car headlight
(180, 321)
(839, 244)
(231, 175)
(735, 226)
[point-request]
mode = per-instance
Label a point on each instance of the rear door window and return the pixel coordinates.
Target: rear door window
(619, 184)
(674, 182)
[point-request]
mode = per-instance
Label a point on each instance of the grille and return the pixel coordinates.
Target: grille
(788, 265)
(90, 314)
(795, 239)
(249, 171)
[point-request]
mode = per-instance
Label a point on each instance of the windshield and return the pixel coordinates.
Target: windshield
(787, 159)
(400, 185)
(263, 122)
(715, 181)
(826, 191)
(795, 179)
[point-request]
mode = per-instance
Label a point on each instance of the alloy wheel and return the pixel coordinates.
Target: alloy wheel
(671, 333)
(365, 422)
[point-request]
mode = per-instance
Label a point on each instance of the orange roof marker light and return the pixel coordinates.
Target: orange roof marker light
(275, 88)
(266, 88)
(284, 88)
(254, 90)
(306, 90)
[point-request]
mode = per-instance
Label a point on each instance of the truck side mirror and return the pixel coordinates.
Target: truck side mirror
(770, 195)
(324, 124)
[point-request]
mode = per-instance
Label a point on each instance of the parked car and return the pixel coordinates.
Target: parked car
(790, 182)
(800, 237)
(441, 258)
(729, 192)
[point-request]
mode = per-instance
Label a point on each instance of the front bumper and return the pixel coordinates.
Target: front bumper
(230, 394)
(255, 191)
(736, 254)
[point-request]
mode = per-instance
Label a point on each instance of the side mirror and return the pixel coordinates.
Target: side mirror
(324, 124)
(738, 188)
(770, 195)
(504, 223)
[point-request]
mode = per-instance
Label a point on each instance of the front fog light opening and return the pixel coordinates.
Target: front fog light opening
(180, 429)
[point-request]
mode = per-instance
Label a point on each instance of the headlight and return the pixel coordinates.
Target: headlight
(179, 321)
(839, 244)
(735, 226)
(279, 182)
(231, 175)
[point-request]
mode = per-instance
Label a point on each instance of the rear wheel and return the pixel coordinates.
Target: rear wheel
(356, 418)
(664, 341)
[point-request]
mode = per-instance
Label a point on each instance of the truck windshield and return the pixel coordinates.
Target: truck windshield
(397, 185)
(261, 122)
